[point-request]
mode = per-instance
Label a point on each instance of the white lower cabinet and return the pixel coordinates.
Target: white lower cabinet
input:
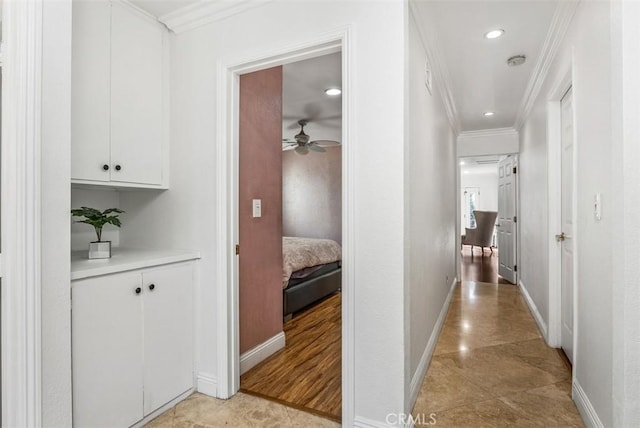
(132, 344)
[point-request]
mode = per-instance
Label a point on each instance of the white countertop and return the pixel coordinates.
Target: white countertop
(124, 259)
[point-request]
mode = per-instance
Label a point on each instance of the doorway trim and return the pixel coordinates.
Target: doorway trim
(227, 305)
(554, 138)
(21, 214)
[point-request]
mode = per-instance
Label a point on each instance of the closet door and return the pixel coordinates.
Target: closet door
(107, 350)
(168, 334)
(90, 96)
(136, 97)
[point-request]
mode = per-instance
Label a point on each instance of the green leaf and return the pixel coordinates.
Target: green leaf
(98, 219)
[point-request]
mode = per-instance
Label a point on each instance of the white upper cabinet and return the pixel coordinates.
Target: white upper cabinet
(90, 107)
(120, 96)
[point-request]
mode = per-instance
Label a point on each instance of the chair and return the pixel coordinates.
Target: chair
(482, 235)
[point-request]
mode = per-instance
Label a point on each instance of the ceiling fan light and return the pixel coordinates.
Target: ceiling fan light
(302, 150)
(488, 113)
(333, 91)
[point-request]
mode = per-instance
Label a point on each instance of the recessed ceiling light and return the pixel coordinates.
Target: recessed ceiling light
(488, 113)
(333, 91)
(494, 34)
(461, 162)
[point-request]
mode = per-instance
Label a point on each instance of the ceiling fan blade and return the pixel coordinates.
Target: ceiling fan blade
(302, 150)
(316, 148)
(287, 148)
(326, 143)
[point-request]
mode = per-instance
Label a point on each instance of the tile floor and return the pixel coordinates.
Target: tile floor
(242, 410)
(491, 368)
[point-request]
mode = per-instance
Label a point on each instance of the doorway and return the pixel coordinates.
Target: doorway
(290, 231)
(483, 187)
(228, 382)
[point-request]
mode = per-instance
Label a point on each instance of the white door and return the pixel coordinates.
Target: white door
(566, 236)
(168, 334)
(107, 350)
(506, 226)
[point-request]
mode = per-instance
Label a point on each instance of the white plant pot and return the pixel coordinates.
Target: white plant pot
(100, 250)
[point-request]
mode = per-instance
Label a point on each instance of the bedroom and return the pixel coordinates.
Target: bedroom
(289, 203)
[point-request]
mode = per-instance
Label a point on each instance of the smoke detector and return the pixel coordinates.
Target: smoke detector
(516, 60)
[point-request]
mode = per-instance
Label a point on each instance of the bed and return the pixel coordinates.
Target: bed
(312, 270)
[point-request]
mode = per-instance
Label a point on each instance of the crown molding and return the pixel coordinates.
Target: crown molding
(558, 29)
(137, 9)
(495, 132)
(441, 76)
(206, 12)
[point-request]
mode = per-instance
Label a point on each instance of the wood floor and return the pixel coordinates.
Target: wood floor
(306, 374)
(479, 266)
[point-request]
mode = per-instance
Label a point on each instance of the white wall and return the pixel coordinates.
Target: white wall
(487, 142)
(626, 233)
(487, 182)
(587, 49)
(188, 209)
(101, 199)
(430, 210)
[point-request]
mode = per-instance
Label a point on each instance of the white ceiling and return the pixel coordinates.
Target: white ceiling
(475, 68)
(480, 165)
(480, 79)
(162, 7)
(303, 97)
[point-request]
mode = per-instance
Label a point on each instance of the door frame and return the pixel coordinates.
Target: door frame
(227, 175)
(21, 214)
(554, 138)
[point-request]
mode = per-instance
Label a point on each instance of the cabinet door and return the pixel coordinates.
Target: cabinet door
(107, 351)
(168, 330)
(136, 97)
(90, 93)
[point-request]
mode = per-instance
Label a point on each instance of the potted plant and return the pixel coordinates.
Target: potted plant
(98, 249)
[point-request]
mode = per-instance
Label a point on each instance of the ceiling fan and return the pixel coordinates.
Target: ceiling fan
(302, 145)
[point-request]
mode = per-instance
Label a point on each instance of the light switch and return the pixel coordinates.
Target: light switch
(597, 207)
(257, 208)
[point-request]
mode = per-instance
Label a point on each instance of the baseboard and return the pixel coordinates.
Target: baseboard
(423, 365)
(360, 422)
(588, 413)
(259, 353)
(207, 384)
(542, 325)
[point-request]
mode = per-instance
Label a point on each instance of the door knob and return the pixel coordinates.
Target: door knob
(152, 286)
(560, 237)
(118, 167)
(138, 290)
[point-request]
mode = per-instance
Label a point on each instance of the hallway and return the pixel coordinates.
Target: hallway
(491, 366)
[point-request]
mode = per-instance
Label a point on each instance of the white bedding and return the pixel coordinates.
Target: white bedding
(300, 253)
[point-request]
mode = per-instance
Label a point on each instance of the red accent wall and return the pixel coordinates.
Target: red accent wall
(260, 158)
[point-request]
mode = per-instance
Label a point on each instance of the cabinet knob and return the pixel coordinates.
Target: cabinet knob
(105, 167)
(138, 290)
(152, 286)
(118, 167)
